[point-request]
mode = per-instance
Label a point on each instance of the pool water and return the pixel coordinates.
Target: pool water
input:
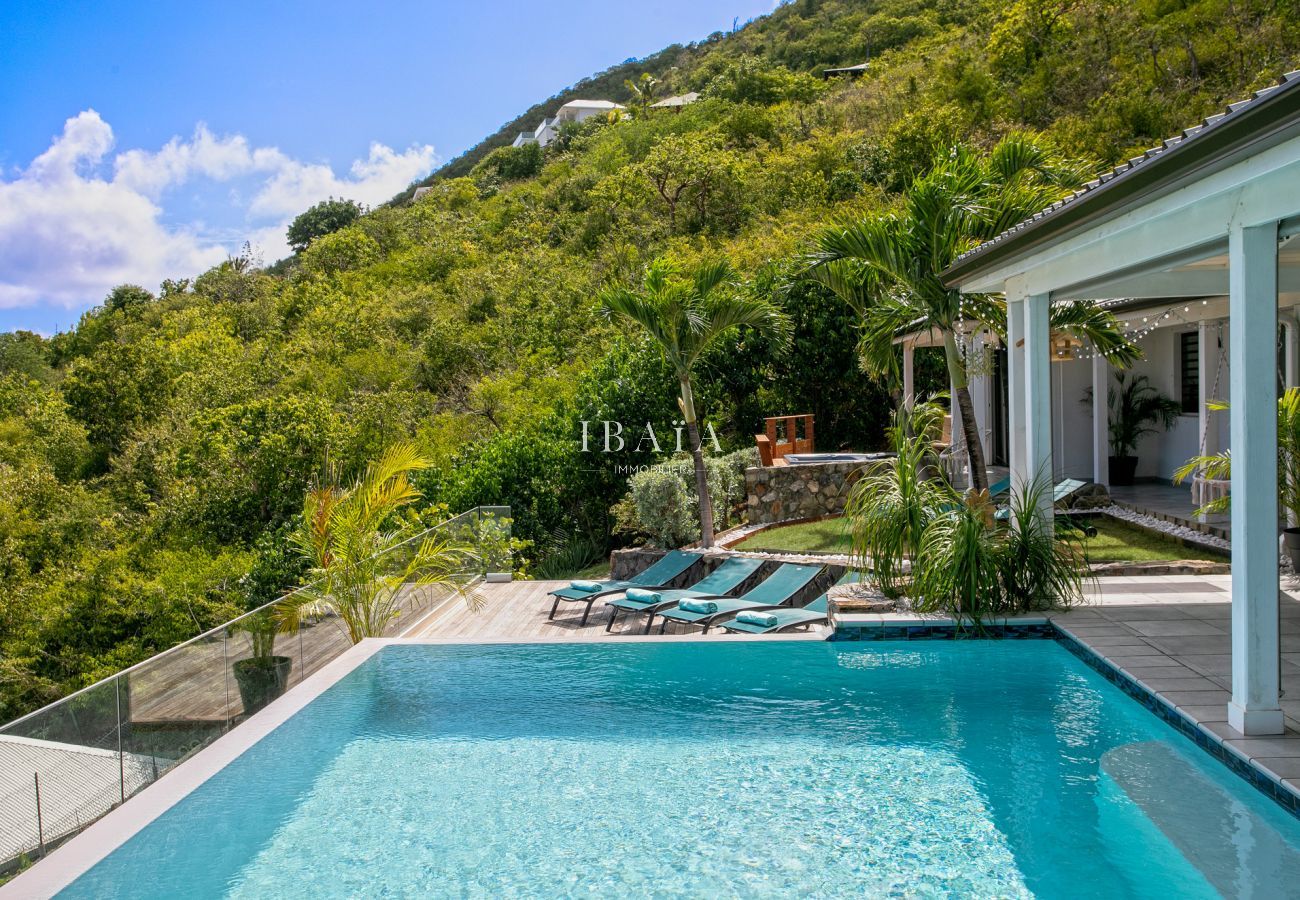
(977, 768)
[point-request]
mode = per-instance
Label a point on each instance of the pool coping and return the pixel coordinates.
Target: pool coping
(1258, 775)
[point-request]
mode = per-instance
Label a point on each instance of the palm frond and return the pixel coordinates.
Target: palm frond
(1087, 321)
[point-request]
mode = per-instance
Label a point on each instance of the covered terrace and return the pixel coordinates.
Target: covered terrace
(1211, 212)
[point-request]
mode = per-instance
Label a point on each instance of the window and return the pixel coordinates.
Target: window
(1189, 358)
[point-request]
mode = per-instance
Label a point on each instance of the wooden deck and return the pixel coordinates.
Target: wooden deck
(517, 610)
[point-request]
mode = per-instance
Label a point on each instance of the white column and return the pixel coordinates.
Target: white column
(1100, 420)
(1252, 307)
(1038, 394)
(1289, 351)
(1207, 354)
(909, 378)
(1016, 387)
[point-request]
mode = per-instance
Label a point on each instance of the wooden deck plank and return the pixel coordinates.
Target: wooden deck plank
(518, 610)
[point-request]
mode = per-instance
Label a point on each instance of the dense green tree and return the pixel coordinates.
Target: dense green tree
(324, 218)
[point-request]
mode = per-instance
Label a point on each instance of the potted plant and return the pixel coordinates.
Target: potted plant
(263, 676)
(1136, 409)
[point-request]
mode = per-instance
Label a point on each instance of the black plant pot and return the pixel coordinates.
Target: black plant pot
(1122, 470)
(1291, 544)
(261, 680)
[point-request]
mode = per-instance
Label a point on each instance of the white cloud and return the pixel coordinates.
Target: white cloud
(69, 232)
(296, 186)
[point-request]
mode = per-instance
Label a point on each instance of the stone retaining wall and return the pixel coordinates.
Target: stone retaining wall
(778, 493)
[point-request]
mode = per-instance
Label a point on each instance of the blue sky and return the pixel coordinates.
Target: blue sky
(145, 140)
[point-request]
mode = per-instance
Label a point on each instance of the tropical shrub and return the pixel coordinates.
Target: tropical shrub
(1218, 466)
(1136, 409)
(566, 554)
(1041, 567)
(359, 563)
(972, 566)
(960, 561)
(890, 507)
(664, 506)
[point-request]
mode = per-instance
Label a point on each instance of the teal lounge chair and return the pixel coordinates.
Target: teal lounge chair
(776, 590)
(656, 575)
(815, 613)
(1062, 492)
(725, 578)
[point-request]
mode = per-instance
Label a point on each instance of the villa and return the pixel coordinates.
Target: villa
(1209, 214)
(769, 737)
(573, 111)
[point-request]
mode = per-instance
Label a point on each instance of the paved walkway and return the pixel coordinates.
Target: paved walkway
(1170, 502)
(1173, 635)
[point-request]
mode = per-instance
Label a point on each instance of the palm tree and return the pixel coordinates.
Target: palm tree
(360, 560)
(889, 268)
(684, 314)
(643, 91)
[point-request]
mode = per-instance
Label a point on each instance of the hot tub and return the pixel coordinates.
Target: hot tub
(804, 459)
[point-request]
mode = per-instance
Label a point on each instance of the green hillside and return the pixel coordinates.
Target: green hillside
(152, 457)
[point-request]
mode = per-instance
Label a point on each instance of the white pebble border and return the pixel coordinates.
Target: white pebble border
(1153, 524)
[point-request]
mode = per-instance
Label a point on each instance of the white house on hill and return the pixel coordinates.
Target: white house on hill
(573, 111)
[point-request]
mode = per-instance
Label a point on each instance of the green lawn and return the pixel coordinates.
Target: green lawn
(1118, 542)
(825, 536)
(596, 571)
(1115, 542)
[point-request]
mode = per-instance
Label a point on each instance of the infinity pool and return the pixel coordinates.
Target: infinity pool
(979, 768)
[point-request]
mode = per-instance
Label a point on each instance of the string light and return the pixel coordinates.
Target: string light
(1134, 334)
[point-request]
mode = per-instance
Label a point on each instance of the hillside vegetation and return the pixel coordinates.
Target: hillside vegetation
(153, 457)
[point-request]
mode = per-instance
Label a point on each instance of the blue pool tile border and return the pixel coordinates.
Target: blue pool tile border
(1208, 741)
(943, 632)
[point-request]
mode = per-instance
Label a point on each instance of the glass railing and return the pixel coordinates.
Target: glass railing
(65, 765)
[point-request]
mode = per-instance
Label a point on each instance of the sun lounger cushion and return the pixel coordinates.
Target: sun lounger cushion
(707, 607)
(588, 587)
(765, 620)
(641, 595)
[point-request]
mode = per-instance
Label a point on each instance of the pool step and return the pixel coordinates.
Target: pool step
(1229, 843)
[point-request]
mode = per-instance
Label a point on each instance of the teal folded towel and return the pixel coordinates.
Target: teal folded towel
(587, 587)
(641, 595)
(762, 619)
(707, 607)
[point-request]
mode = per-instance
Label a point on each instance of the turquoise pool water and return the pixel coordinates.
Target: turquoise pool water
(988, 769)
